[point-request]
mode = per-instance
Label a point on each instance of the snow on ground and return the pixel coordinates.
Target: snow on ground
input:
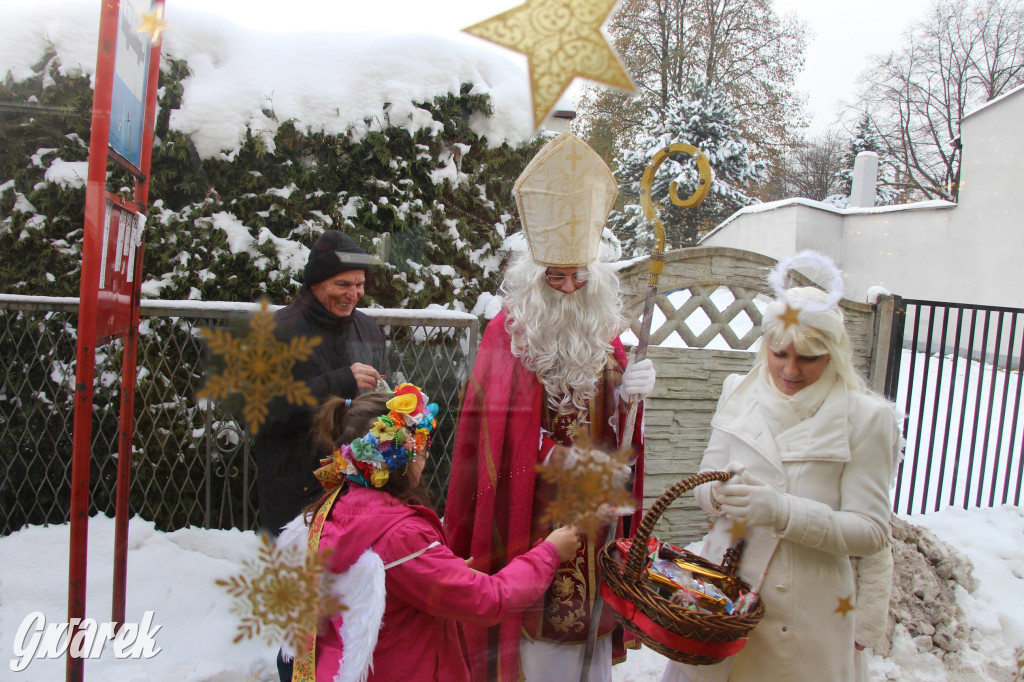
(173, 575)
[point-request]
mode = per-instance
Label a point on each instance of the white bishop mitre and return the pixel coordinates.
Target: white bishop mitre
(564, 196)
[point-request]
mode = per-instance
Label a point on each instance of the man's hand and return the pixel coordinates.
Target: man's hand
(366, 376)
(637, 380)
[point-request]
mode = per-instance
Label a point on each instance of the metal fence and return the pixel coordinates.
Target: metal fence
(955, 370)
(192, 460)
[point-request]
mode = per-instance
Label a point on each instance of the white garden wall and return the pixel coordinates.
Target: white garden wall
(970, 252)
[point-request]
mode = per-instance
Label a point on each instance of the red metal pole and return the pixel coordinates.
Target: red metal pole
(86, 353)
(126, 428)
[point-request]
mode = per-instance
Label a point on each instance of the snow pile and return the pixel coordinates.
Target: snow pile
(942, 624)
(923, 600)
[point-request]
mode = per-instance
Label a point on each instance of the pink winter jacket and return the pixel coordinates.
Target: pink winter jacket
(420, 638)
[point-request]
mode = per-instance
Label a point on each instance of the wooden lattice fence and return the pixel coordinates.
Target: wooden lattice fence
(727, 286)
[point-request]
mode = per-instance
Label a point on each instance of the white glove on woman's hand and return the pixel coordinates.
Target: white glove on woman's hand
(734, 468)
(637, 380)
(748, 499)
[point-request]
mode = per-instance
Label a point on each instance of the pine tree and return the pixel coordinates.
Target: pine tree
(704, 118)
(431, 200)
(865, 138)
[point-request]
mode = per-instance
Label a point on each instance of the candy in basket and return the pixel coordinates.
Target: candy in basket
(677, 603)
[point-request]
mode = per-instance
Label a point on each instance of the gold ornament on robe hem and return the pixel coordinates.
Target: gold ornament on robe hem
(568, 603)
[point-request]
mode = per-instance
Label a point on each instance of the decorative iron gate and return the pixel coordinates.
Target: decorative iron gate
(955, 370)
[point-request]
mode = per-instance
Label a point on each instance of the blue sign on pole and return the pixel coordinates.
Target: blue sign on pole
(131, 70)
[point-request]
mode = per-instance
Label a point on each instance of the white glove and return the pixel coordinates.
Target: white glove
(748, 499)
(734, 468)
(637, 380)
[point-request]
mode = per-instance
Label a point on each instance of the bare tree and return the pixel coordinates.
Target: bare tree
(957, 58)
(813, 168)
(739, 46)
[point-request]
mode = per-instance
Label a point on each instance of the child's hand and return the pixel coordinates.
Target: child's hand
(566, 539)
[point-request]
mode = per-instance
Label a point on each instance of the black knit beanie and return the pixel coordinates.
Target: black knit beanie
(334, 252)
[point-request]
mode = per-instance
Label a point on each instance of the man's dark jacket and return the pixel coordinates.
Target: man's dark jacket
(285, 457)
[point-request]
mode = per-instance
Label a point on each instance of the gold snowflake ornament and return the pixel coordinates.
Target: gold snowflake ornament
(258, 367)
(280, 596)
(587, 488)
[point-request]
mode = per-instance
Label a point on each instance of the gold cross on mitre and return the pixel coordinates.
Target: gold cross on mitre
(561, 39)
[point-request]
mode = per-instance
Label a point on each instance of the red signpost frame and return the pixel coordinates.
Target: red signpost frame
(131, 342)
(120, 290)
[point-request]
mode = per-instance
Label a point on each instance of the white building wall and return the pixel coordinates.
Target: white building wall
(970, 252)
(990, 214)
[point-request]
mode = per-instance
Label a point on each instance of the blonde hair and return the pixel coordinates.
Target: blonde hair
(818, 333)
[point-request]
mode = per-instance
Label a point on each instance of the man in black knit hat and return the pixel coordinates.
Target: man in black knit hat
(349, 359)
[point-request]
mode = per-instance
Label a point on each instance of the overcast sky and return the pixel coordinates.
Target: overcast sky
(844, 33)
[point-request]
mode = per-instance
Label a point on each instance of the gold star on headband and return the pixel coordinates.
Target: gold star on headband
(844, 606)
(259, 367)
(790, 317)
(562, 39)
(152, 23)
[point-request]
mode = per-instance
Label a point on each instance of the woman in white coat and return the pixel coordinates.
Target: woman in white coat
(811, 449)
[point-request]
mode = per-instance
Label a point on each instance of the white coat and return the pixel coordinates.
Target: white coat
(835, 468)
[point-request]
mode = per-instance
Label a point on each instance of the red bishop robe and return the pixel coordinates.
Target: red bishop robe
(494, 500)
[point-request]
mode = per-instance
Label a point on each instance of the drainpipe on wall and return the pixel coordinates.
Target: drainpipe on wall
(865, 175)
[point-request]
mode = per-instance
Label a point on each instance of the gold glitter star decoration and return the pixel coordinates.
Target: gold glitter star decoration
(586, 488)
(258, 367)
(844, 606)
(280, 596)
(153, 23)
(737, 530)
(562, 40)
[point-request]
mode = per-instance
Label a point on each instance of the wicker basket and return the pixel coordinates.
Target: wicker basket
(670, 629)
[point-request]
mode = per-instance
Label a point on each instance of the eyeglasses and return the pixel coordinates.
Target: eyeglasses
(558, 279)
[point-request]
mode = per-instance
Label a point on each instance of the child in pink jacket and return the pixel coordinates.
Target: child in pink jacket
(390, 565)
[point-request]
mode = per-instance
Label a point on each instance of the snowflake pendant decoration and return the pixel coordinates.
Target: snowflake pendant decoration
(258, 367)
(588, 488)
(280, 596)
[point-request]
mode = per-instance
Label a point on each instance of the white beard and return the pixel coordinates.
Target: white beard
(564, 338)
